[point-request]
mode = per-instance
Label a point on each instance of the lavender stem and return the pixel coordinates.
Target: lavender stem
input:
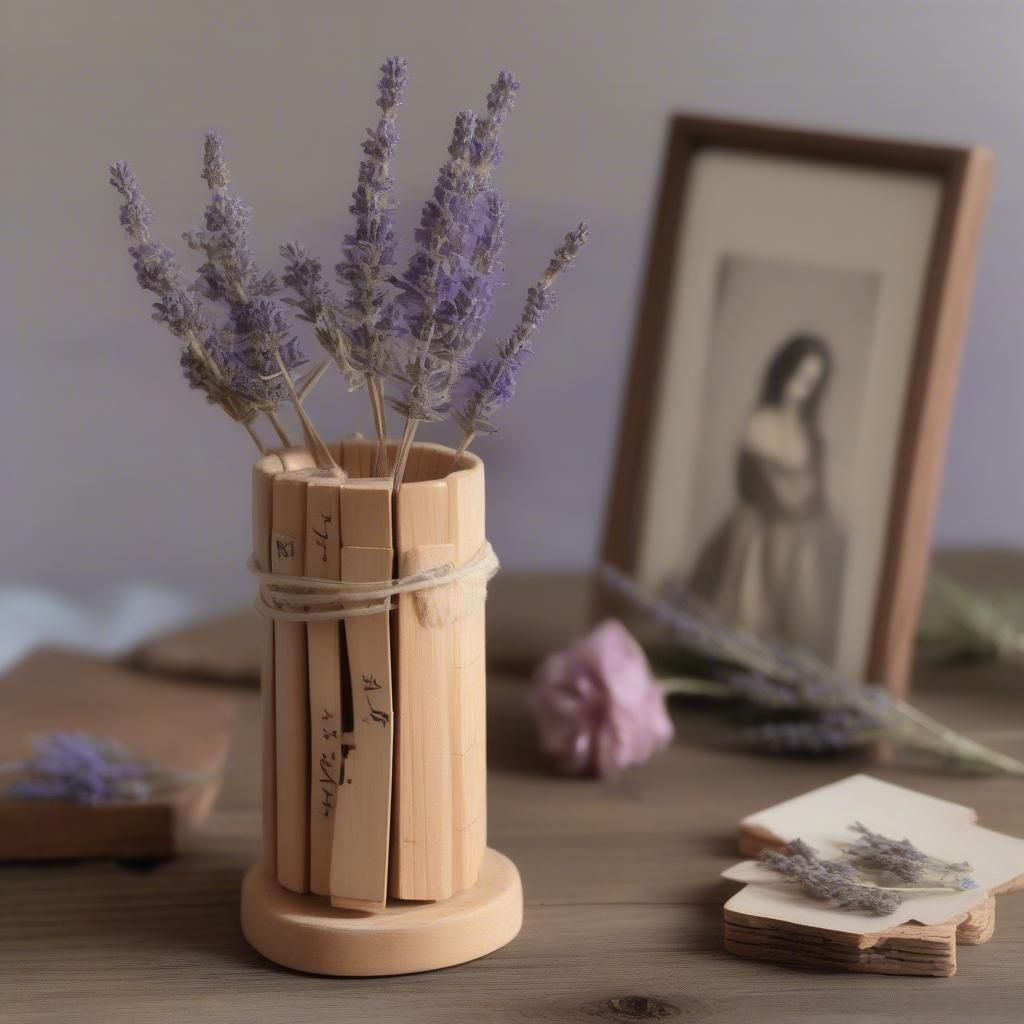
(403, 452)
(278, 426)
(312, 379)
(689, 686)
(320, 452)
(375, 386)
(256, 438)
(947, 739)
(467, 440)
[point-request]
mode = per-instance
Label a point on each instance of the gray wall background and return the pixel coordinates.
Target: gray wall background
(112, 471)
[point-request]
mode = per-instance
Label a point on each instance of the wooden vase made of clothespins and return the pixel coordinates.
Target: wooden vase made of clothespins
(373, 703)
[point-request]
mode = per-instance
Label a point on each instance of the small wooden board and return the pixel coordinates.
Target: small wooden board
(170, 723)
(909, 947)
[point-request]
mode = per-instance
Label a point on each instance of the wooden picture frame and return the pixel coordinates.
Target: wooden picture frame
(964, 178)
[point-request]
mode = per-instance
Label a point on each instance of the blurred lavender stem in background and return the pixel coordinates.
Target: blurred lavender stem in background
(960, 624)
(839, 713)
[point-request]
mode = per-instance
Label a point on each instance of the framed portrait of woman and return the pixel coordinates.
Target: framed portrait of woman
(792, 382)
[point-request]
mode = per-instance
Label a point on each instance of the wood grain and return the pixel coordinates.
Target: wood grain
(405, 937)
(421, 854)
(928, 414)
(263, 473)
(359, 866)
(468, 707)
(291, 692)
(323, 646)
(623, 902)
(623, 899)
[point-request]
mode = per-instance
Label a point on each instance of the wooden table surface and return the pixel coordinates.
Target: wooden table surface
(623, 900)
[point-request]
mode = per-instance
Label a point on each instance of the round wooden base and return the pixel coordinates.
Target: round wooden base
(306, 934)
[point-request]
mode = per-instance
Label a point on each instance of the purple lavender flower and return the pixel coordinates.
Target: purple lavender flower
(135, 214)
(899, 857)
(304, 276)
(486, 151)
(154, 264)
(447, 291)
(81, 769)
(215, 168)
(832, 880)
(369, 252)
(830, 732)
(179, 308)
(431, 284)
(257, 342)
(183, 313)
(261, 337)
(229, 272)
(491, 382)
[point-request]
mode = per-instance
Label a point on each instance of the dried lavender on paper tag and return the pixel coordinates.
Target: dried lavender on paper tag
(829, 856)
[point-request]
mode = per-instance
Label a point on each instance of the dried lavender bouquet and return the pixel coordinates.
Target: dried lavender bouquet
(408, 339)
(803, 706)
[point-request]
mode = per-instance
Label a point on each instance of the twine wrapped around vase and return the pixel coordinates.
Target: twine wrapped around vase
(443, 593)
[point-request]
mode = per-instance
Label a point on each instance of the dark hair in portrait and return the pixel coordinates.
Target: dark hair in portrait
(788, 358)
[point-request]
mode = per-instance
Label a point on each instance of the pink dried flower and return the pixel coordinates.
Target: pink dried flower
(597, 706)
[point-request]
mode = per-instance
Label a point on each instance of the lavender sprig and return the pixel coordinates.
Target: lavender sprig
(229, 273)
(418, 329)
(263, 356)
(833, 881)
(430, 284)
(79, 768)
(318, 305)
(492, 382)
(179, 308)
(900, 858)
(448, 287)
(845, 881)
(486, 149)
(368, 260)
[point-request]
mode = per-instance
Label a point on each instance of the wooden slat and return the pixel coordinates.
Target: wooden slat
(291, 690)
(263, 474)
(468, 695)
(323, 644)
(421, 854)
(359, 868)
